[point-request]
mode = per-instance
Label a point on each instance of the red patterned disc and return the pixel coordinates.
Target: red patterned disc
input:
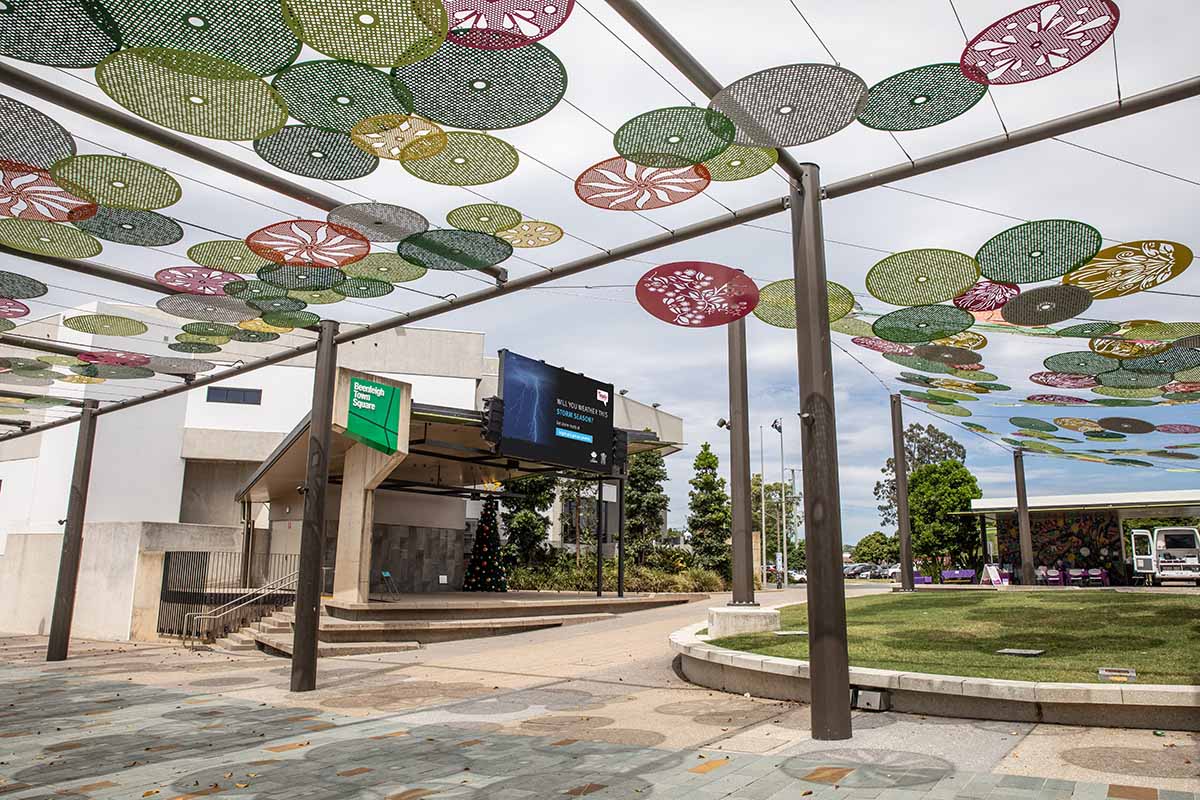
(882, 345)
(1039, 41)
(196, 280)
(696, 294)
(1056, 400)
(620, 185)
(115, 358)
(1178, 387)
(12, 309)
(1188, 429)
(307, 242)
(523, 21)
(30, 193)
(1064, 380)
(969, 367)
(987, 296)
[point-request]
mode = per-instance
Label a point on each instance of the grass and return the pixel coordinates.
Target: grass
(958, 634)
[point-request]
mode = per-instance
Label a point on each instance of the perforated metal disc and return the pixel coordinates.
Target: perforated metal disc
(922, 277)
(196, 280)
(261, 326)
(305, 298)
(955, 356)
(385, 267)
(619, 185)
(1164, 331)
(1113, 402)
(207, 309)
(112, 372)
(250, 33)
(920, 98)
(1033, 424)
(1179, 428)
(23, 364)
(1128, 379)
(1065, 380)
(20, 287)
(968, 339)
(307, 242)
(210, 329)
(696, 294)
(284, 303)
(454, 250)
(1081, 363)
(1128, 391)
(231, 255)
(397, 137)
(315, 153)
(1177, 359)
(27, 136)
(791, 105)
(106, 325)
(179, 366)
(949, 410)
(30, 193)
(192, 93)
(518, 22)
(59, 33)
(1126, 425)
(1038, 251)
(131, 226)
(191, 338)
(253, 337)
(739, 162)
(882, 346)
(340, 94)
(382, 33)
(484, 217)
(291, 319)
(17, 379)
(1088, 330)
(194, 347)
(47, 239)
(363, 287)
(292, 278)
(922, 323)
(1127, 348)
(777, 303)
(117, 182)
(987, 295)
(534, 233)
(12, 309)
(918, 363)
(679, 136)
(379, 222)
(1046, 305)
(1130, 268)
(468, 159)
(851, 325)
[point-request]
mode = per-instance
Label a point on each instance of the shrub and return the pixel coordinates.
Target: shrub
(565, 576)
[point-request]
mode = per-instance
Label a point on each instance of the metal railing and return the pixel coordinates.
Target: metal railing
(240, 611)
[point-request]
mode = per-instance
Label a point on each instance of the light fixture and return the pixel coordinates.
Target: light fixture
(623, 392)
(655, 405)
(722, 423)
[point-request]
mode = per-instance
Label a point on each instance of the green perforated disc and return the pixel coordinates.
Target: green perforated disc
(468, 159)
(306, 279)
(1038, 251)
(978, 376)
(315, 153)
(382, 33)
(58, 33)
(485, 90)
(210, 329)
(777, 304)
(112, 372)
(230, 255)
(852, 326)
(1177, 359)
(132, 226)
(918, 363)
(207, 308)
(947, 396)
(192, 93)
(20, 287)
(31, 378)
(922, 324)
(1128, 379)
(47, 238)
(314, 297)
(1081, 363)
(990, 386)
(1122, 391)
(340, 94)
(291, 319)
(454, 250)
(388, 267)
(194, 347)
(106, 325)
(680, 136)
(739, 162)
(191, 338)
(1033, 424)
(364, 287)
(947, 354)
(60, 361)
(922, 277)
(920, 98)
(1164, 331)
(379, 222)
(1115, 402)
(253, 290)
(484, 218)
(285, 303)
(250, 33)
(253, 337)
(949, 410)
(27, 136)
(117, 182)
(1088, 330)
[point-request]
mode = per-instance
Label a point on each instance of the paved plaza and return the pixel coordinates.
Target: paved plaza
(591, 710)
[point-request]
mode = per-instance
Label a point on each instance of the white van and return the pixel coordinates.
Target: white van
(1168, 554)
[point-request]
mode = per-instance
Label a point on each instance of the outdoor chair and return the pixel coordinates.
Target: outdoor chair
(1054, 577)
(1097, 577)
(1039, 575)
(1077, 577)
(389, 584)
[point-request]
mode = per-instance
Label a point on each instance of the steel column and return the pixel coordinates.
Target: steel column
(983, 540)
(903, 524)
(783, 515)
(600, 538)
(828, 658)
(72, 543)
(739, 467)
(312, 533)
(1026, 534)
(620, 537)
(762, 501)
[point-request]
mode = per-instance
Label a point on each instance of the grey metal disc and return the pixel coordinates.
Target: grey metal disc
(1047, 305)
(379, 222)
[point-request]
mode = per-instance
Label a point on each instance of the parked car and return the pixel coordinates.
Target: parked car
(798, 575)
(893, 572)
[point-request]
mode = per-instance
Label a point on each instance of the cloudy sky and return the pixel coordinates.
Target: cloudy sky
(604, 333)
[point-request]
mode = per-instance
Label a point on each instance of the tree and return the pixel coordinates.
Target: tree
(579, 512)
(709, 515)
(645, 503)
(795, 512)
(877, 548)
(797, 553)
(935, 492)
(525, 508)
(922, 445)
(485, 572)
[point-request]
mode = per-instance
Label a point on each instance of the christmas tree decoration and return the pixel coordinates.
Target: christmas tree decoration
(485, 573)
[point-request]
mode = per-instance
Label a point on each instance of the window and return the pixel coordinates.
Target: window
(225, 394)
(1179, 541)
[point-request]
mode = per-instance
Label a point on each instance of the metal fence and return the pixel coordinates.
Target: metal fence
(196, 582)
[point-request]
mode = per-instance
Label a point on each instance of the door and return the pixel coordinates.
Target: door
(1143, 552)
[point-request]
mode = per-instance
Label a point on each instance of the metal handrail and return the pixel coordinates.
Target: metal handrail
(220, 611)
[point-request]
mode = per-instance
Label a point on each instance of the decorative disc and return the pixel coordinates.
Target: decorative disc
(532, 234)
(179, 366)
(881, 345)
(363, 287)
(388, 267)
(258, 325)
(248, 33)
(12, 309)
(106, 325)
(1131, 267)
(230, 255)
(485, 89)
(987, 295)
(1164, 331)
(1128, 391)
(1078, 424)
(249, 290)
(210, 329)
(382, 33)
(117, 182)
(315, 153)
(920, 98)
(19, 287)
(968, 339)
(286, 303)
(739, 162)
(397, 137)
(1128, 379)
(1121, 403)
(696, 294)
(1065, 380)
(1182, 387)
(484, 218)
(30, 193)
(1081, 363)
(18, 379)
(620, 185)
(680, 136)
(922, 277)
(131, 226)
(1179, 428)
(1039, 41)
(1177, 359)
(112, 372)
(955, 356)
(1033, 424)
(1127, 348)
(1126, 425)
(949, 410)
(379, 222)
(303, 298)
(73, 34)
(468, 159)
(192, 93)
(918, 363)
(27, 136)
(191, 338)
(196, 280)
(454, 250)
(922, 323)
(290, 278)
(291, 319)
(1088, 330)
(848, 325)
(47, 239)
(207, 309)
(520, 21)
(253, 337)
(1038, 251)
(307, 242)
(1046, 305)
(777, 304)
(340, 94)
(193, 347)
(791, 105)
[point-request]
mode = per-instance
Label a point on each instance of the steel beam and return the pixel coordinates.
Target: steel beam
(91, 269)
(903, 524)
(739, 467)
(1026, 533)
(600, 538)
(620, 537)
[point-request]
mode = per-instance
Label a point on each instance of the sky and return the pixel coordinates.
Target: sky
(591, 323)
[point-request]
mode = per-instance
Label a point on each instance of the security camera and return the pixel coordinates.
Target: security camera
(722, 423)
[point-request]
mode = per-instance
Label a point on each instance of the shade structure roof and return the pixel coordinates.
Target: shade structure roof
(1181, 503)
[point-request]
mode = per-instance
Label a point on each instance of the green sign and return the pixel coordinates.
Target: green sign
(374, 414)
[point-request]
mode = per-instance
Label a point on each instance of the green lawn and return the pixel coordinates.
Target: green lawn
(957, 633)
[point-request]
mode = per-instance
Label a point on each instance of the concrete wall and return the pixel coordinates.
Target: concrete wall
(210, 489)
(418, 558)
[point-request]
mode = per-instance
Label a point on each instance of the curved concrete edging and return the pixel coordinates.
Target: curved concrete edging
(1105, 705)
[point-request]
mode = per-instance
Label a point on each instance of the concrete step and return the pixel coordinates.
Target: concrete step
(272, 625)
(282, 645)
(493, 607)
(236, 642)
(335, 630)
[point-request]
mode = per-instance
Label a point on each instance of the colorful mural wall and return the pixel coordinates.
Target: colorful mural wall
(1066, 541)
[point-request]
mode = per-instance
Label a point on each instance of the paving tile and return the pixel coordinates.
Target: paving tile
(1118, 791)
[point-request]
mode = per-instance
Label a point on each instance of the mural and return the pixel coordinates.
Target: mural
(1062, 541)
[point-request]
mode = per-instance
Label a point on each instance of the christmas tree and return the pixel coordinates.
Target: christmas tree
(484, 571)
